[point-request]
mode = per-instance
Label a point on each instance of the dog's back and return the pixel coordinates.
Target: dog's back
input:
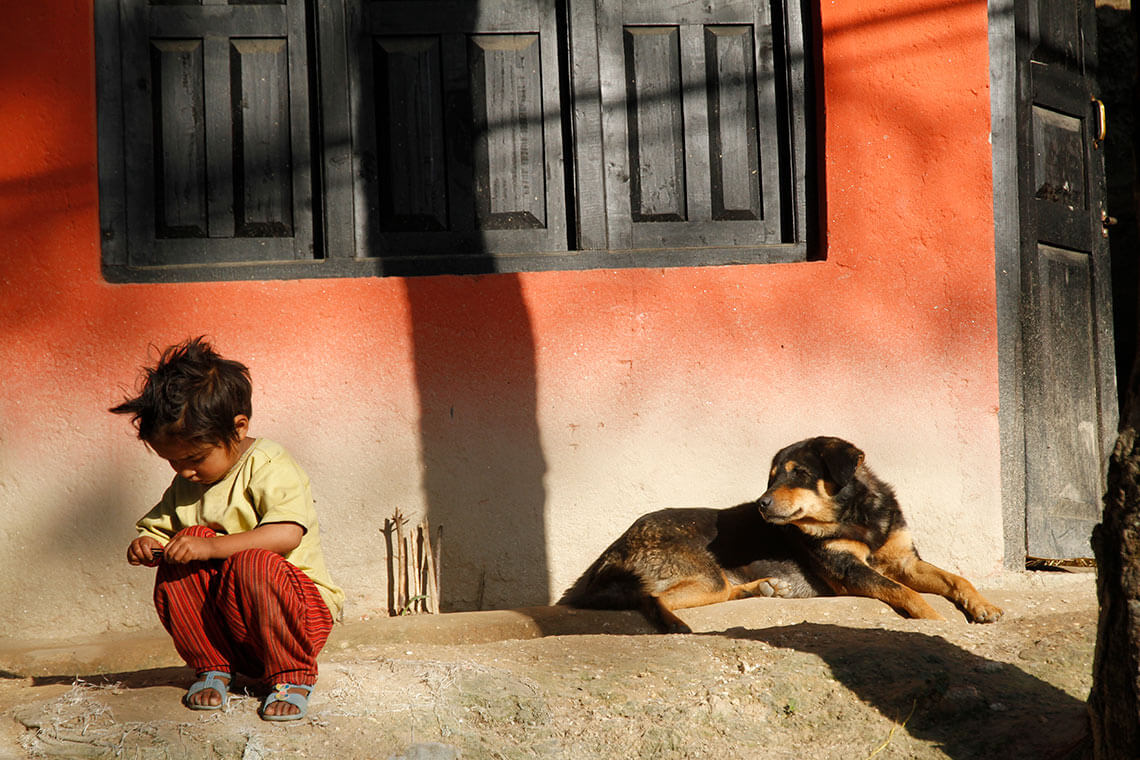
(652, 549)
(665, 547)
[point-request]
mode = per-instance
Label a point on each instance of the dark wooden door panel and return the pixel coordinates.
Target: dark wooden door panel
(220, 157)
(462, 152)
(690, 124)
(655, 123)
(735, 178)
(263, 166)
(1064, 474)
(413, 195)
(178, 89)
(509, 150)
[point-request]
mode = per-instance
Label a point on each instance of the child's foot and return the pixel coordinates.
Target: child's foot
(209, 692)
(287, 701)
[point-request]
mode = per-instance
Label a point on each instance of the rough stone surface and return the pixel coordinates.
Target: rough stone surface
(759, 678)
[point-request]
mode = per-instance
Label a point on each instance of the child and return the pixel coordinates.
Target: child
(241, 583)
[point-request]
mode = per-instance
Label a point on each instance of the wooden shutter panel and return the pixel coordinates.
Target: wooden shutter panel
(693, 125)
(217, 145)
(460, 130)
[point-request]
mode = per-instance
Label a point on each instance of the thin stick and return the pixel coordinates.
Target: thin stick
(429, 571)
(438, 566)
(414, 590)
(421, 564)
(410, 559)
(401, 565)
(388, 530)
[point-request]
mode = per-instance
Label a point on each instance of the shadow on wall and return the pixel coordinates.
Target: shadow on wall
(971, 706)
(483, 465)
(474, 357)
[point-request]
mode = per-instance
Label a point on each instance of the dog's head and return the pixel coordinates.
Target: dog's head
(803, 482)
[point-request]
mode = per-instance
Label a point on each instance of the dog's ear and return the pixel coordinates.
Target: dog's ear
(841, 459)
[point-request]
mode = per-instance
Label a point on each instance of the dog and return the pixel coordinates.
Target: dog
(826, 525)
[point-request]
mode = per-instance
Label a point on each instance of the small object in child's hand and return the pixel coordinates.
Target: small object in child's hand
(157, 554)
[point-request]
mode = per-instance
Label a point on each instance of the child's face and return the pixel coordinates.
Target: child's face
(204, 463)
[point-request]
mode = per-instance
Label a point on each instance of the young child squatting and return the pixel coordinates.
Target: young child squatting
(241, 584)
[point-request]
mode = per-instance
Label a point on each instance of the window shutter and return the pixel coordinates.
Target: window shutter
(250, 139)
(217, 147)
(694, 125)
(461, 132)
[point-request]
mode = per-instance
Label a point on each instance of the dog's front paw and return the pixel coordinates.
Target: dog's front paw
(981, 611)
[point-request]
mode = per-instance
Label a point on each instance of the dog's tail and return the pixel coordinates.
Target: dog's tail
(605, 586)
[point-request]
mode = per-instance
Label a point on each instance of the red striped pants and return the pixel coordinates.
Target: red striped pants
(253, 613)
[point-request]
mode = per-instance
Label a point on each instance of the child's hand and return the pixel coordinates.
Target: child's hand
(183, 549)
(140, 552)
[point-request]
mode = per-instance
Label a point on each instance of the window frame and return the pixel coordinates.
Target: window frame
(339, 241)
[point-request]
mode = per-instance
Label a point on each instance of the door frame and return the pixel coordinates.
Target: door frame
(1007, 255)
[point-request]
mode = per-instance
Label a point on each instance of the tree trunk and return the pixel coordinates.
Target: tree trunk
(1114, 702)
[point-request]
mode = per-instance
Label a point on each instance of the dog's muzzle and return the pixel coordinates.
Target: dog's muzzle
(769, 510)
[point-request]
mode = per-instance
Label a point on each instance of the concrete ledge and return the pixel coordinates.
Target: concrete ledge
(117, 653)
(105, 653)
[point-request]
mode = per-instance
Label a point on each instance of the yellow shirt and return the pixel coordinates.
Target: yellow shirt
(264, 486)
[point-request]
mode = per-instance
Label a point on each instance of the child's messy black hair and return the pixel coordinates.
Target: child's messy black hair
(192, 394)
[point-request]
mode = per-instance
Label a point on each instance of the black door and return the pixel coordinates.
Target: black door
(1069, 381)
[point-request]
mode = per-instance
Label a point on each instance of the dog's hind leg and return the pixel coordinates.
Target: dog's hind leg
(698, 592)
(690, 592)
(662, 616)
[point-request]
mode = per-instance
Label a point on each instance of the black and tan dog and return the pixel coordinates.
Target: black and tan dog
(826, 525)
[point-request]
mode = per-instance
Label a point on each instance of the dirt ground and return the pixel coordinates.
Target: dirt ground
(760, 678)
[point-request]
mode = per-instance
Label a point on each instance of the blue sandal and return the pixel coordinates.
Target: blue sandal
(211, 679)
(281, 693)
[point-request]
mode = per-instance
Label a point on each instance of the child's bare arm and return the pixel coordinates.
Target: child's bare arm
(280, 538)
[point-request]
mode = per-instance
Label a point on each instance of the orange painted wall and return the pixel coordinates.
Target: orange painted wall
(533, 416)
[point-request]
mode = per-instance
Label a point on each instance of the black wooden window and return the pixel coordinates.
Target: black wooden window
(301, 138)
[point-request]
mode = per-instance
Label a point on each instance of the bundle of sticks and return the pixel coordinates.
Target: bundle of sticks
(413, 566)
